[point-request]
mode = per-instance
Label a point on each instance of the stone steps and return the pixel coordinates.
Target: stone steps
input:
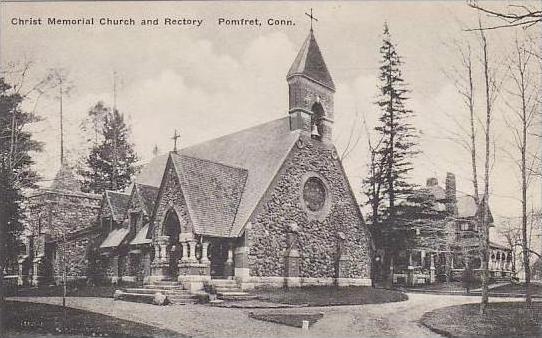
(176, 292)
(163, 287)
(227, 289)
(171, 290)
(165, 282)
(235, 295)
(135, 297)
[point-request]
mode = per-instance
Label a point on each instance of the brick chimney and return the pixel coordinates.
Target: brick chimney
(431, 181)
(451, 194)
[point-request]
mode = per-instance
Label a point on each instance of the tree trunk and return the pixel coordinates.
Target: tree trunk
(485, 200)
(523, 149)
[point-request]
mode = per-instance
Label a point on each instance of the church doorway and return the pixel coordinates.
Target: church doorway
(172, 228)
(218, 254)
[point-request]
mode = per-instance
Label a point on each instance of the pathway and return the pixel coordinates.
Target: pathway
(390, 319)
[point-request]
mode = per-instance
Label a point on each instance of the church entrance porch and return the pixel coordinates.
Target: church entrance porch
(221, 258)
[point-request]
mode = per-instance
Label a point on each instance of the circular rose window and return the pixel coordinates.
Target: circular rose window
(314, 194)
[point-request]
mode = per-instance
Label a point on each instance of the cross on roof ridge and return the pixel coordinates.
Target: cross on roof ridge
(312, 18)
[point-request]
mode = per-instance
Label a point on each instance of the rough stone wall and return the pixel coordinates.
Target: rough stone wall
(62, 213)
(171, 196)
(318, 235)
(59, 214)
(112, 267)
(124, 265)
(303, 93)
(73, 253)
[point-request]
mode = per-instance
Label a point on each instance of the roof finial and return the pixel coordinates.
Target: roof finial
(312, 18)
(174, 138)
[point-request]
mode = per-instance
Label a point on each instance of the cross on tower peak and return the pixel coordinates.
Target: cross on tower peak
(176, 135)
(312, 18)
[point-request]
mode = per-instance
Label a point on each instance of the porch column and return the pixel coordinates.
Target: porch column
(184, 258)
(491, 260)
(156, 251)
(410, 275)
(228, 266)
(422, 258)
(160, 263)
(192, 254)
(163, 242)
(193, 273)
(204, 249)
(432, 275)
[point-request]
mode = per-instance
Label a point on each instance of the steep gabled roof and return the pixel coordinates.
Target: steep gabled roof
(65, 180)
(261, 150)
(118, 204)
(467, 208)
(212, 192)
(151, 173)
(114, 238)
(310, 63)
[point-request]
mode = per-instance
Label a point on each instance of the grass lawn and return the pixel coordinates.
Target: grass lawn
(72, 291)
(536, 289)
(290, 319)
(44, 319)
(326, 295)
(502, 319)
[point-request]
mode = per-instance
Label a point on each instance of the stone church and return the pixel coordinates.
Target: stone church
(266, 206)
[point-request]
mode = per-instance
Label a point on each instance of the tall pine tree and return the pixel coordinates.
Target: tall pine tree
(111, 162)
(391, 162)
(16, 171)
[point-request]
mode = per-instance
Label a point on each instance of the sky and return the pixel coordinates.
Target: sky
(212, 80)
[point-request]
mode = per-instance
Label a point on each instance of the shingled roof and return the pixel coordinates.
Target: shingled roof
(151, 173)
(118, 203)
(212, 192)
(261, 150)
(467, 208)
(65, 180)
(310, 63)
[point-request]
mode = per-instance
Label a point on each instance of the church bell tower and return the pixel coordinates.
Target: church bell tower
(311, 92)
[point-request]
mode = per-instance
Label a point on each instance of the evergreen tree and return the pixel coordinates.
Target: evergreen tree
(391, 162)
(399, 135)
(16, 173)
(111, 162)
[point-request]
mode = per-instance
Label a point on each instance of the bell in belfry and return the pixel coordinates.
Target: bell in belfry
(314, 133)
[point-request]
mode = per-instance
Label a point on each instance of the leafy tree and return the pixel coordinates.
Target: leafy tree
(392, 161)
(111, 162)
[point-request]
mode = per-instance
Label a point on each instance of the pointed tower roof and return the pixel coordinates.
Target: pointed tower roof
(65, 180)
(310, 63)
